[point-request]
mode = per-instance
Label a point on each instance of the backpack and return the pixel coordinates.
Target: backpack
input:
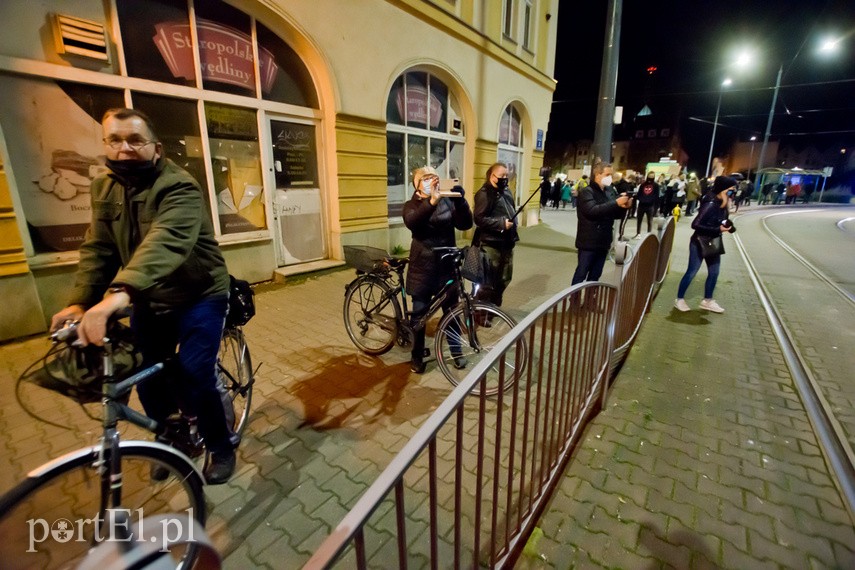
(241, 302)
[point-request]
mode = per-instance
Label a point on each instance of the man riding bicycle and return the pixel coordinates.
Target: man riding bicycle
(151, 243)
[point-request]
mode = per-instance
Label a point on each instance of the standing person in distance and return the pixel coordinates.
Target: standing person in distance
(597, 211)
(432, 220)
(693, 194)
(648, 201)
(711, 221)
(497, 232)
(151, 242)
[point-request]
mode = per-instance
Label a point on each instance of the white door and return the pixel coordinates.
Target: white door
(297, 205)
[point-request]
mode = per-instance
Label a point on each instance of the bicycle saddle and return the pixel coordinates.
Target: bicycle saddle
(397, 262)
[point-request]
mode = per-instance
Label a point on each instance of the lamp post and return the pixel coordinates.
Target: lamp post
(771, 116)
(724, 84)
(751, 157)
(829, 46)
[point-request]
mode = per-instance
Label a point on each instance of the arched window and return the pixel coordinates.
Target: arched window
(511, 146)
(423, 128)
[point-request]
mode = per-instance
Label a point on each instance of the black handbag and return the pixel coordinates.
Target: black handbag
(474, 260)
(710, 246)
(241, 302)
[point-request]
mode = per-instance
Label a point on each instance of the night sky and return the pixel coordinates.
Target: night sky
(691, 43)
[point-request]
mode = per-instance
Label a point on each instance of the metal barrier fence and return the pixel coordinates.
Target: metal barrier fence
(639, 280)
(471, 484)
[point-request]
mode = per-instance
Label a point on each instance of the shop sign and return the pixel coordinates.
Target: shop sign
(416, 105)
(225, 54)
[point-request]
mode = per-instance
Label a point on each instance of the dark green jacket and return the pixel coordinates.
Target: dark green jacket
(157, 241)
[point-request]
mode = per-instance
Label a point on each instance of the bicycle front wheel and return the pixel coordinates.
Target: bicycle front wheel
(371, 315)
(56, 515)
(234, 368)
(456, 356)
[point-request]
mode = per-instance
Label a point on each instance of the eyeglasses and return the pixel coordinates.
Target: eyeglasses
(135, 142)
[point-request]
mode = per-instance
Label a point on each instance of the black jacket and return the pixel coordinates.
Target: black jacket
(432, 226)
(492, 208)
(648, 194)
(596, 211)
(710, 218)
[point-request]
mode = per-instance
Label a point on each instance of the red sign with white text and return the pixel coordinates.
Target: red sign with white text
(225, 54)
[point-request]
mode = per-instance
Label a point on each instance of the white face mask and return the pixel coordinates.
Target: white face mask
(607, 181)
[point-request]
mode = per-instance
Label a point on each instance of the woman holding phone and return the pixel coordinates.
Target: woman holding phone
(432, 220)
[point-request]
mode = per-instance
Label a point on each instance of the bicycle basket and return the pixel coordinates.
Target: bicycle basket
(241, 302)
(364, 258)
(76, 372)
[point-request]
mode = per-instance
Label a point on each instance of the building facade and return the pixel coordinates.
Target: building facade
(301, 119)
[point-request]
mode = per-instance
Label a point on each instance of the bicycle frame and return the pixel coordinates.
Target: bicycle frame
(439, 299)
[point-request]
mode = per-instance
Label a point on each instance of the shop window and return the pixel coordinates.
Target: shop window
(157, 40)
(236, 165)
(511, 147)
(177, 124)
(284, 77)
(225, 48)
(424, 128)
(54, 142)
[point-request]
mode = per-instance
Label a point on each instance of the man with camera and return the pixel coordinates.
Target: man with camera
(597, 211)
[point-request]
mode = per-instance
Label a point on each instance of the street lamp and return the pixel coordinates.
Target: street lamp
(828, 46)
(724, 84)
(751, 157)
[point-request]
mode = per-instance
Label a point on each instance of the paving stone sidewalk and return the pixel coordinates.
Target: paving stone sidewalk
(704, 457)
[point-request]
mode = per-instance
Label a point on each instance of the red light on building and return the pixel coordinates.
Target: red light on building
(651, 69)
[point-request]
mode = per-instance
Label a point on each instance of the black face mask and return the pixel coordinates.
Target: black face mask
(502, 183)
(133, 172)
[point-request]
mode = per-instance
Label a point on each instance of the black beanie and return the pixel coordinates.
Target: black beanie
(723, 183)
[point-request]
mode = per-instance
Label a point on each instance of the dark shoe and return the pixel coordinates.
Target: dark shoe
(460, 362)
(220, 468)
(418, 366)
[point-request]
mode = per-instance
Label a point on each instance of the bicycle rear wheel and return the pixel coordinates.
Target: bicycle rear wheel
(456, 356)
(234, 367)
(371, 315)
(52, 519)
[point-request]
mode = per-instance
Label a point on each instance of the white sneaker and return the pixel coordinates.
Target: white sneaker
(682, 306)
(711, 305)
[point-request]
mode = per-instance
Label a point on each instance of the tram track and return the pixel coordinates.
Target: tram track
(831, 435)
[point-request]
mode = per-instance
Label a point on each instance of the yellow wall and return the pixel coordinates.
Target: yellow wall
(361, 156)
(12, 258)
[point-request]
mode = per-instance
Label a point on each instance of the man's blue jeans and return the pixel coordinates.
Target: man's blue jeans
(191, 383)
(591, 263)
(695, 259)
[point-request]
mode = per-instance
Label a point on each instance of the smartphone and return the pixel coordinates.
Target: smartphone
(446, 184)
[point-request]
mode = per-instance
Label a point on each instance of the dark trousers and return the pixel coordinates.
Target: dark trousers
(498, 274)
(192, 384)
(591, 263)
(648, 210)
(695, 259)
(420, 308)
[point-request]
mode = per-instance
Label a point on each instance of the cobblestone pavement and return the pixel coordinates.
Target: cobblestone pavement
(704, 457)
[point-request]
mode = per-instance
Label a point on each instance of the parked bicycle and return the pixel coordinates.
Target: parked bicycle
(377, 316)
(69, 505)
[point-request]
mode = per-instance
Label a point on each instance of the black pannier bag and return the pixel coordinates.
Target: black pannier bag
(241, 302)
